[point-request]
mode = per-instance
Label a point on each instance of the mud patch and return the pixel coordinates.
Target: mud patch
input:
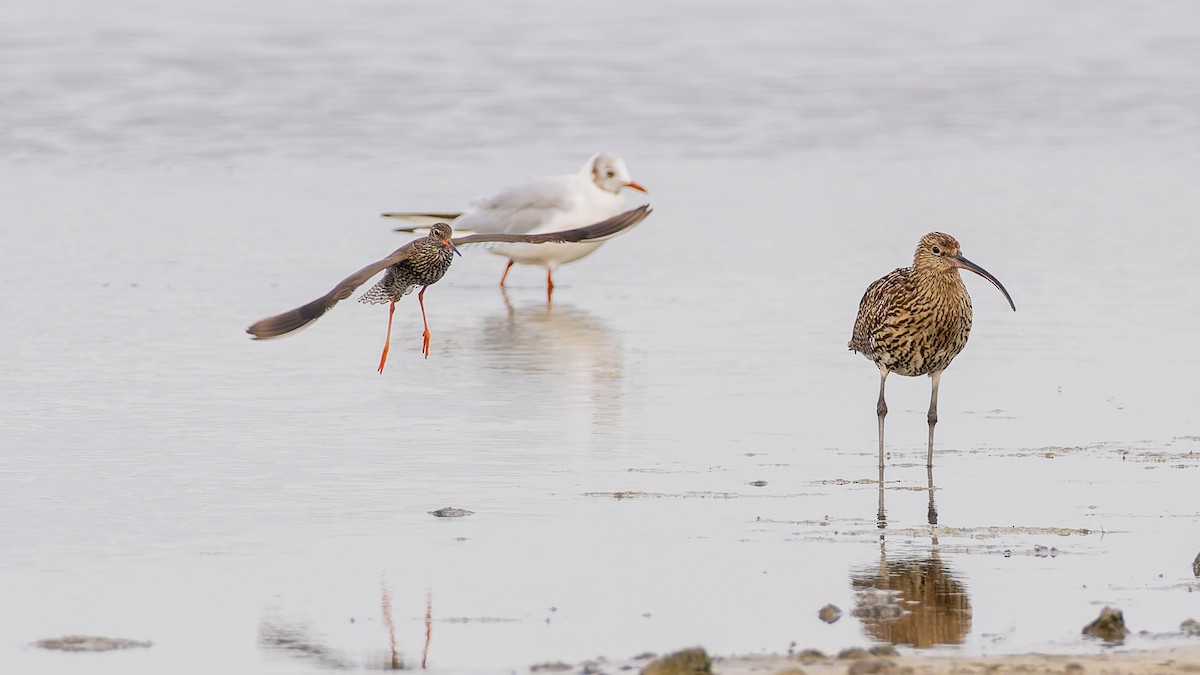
(90, 643)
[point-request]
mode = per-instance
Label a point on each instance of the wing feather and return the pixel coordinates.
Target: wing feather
(290, 321)
(522, 208)
(603, 230)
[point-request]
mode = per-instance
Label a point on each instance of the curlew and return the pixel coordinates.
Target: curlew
(422, 262)
(543, 205)
(915, 320)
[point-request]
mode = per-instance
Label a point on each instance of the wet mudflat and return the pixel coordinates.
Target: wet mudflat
(679, 450)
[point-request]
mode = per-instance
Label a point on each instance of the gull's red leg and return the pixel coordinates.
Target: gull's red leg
(505, 275)
(549, 284)
(425, 343)
(388, 342)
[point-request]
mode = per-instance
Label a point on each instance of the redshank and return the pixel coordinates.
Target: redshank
(544, 205)
(422, 262)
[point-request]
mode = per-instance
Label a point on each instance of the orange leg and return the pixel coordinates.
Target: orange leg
(549, 284)
(428, 627)
(425, 343)
(388, 341)
(505, 275)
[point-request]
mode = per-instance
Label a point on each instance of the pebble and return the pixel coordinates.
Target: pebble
(829, 613)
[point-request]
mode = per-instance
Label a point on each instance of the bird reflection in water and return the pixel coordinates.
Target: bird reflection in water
(560, 356)
(931, 513)
(913, 600)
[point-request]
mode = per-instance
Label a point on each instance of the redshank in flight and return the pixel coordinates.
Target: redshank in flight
(422, 262)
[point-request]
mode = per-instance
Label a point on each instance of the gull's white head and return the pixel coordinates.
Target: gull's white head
(608, 172)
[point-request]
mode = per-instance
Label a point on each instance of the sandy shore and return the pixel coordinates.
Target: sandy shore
(1150, 662)
(862, 663)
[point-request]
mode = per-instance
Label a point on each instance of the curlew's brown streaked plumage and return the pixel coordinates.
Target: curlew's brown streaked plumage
(422, 262)
(915, 320)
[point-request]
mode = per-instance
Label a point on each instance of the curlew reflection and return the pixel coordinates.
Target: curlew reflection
(912, 600)
(931, 514)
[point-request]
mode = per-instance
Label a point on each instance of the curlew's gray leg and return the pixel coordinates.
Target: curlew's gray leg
(505, 275)
(932, 417)
(881, 411)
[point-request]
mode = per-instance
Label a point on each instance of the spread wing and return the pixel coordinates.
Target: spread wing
(605, 229)
(282, 324)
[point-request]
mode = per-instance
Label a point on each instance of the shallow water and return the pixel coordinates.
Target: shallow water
(169, 176)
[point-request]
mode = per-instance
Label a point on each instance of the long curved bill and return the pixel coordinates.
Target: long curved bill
(450, 243)
(968, 265)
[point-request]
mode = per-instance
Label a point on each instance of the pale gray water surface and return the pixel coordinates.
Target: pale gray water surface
(171, 172)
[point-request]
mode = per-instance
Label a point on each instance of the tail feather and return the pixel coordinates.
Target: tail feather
(382, 292)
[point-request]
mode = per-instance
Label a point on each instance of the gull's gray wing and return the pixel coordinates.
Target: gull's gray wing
(515, 210)
(282, 324)
(605, 229)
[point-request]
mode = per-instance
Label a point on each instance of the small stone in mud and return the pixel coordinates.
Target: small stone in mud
(829, 614)
(1109, 626)
(694, 661)
(853, 653)
(884, 650)
(873, 666)
(549, 667)
(790, 671)
(807, 656)
(758, 483)
(1074, 668)
(89, 643)
(1196, 565)
(451, 512)
(1044, 552)
(1190, 627)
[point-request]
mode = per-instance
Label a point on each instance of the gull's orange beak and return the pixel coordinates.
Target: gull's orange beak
(634, 186)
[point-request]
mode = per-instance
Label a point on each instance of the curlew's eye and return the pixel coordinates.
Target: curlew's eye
(937, 250)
